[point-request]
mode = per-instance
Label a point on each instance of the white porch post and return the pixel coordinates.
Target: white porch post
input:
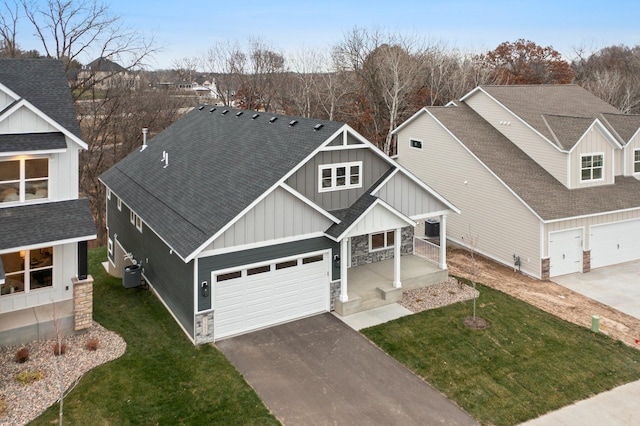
(443, 242)
(344, 253)
(397, 241)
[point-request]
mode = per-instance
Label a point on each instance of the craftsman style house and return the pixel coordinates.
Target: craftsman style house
(240, 220)
(44, 225)
(546, 176)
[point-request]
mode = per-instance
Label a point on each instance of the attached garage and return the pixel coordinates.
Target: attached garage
(615, 243)
(267, 294)
(565, 252)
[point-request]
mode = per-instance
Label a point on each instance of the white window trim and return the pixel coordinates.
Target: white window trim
(333, 167)
(138, 223)
(411, 141)
(110, 246)
(108, 194)
(633, 161)
(22, 182)
(592, 154)
(387, 245)
(132, 217)
(119, 203)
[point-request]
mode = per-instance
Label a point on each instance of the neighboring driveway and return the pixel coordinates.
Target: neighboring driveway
(616, 286)
(320, 371)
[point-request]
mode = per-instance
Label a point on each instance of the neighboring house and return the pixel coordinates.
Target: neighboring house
(44, 225)
(104, 74)
(545, 175)
(241, 220)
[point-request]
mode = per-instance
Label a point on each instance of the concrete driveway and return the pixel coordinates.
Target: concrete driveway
(616, 286)
(319, 371)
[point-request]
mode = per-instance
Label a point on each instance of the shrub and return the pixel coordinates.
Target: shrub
(59, 349)
(27, 377)
(22, 355)
(92, 344)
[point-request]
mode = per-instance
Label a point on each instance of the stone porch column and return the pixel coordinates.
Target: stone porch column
(344, 253)
(443, 242)
(397, 242)
(82, 302)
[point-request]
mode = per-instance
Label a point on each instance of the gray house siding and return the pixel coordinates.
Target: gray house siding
(305, 180)
(170, 277)
(240, 258)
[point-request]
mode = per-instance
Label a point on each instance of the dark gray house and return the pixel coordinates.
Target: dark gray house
(241, 219)
(44, 225)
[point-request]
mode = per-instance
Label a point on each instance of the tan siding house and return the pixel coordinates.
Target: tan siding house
(541, 174)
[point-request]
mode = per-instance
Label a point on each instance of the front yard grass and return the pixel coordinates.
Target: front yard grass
(162, 378)
(526, 364)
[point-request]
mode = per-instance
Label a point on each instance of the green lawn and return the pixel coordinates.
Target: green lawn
(526, 364)
(162, 378)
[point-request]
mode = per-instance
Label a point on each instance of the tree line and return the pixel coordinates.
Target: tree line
(371, 79)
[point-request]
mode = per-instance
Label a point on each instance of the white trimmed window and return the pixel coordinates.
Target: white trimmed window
(110, 246)
(135, 220)
(636, 161)
(27, 270)
(108, 194)
(334, 177)
(119, 204)
(381, 240)
(24, 179)
(414, 143)
(591, 167)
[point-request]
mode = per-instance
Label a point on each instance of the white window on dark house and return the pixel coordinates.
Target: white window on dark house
(135, 220)
(415, 144)
(119, 204)
(591, 167)
(108, 194)
(338, 176)
(636, 161)
(381, 240)
(110, 246)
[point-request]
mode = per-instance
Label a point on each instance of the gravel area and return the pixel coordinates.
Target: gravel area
(26, 402)
(437, 295)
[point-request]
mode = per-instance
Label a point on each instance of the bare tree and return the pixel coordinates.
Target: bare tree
(8, 29)
(72, 29)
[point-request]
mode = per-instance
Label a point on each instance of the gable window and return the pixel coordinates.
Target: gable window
(636, 161)
(338, 176)
(591, 167)
(27, 270)
(135, 220)
(24, 179)
(381, 240)
(415, 144)
(119, 204)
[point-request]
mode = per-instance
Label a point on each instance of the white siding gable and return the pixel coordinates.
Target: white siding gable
(23, 120)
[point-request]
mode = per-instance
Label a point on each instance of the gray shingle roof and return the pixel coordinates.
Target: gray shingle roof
(41, 223)
(32, 141)
(218, 165)
(43, 83)
(531, 102)
(625, 125)
(542, 192)
(104, 64)
(566, 131)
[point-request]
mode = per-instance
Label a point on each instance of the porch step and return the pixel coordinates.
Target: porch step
(369, 300)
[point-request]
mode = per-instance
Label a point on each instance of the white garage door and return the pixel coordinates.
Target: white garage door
(264, 295)
(615, 243)
(565, 252)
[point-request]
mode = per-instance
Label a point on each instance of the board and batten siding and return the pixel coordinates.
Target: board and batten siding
(279, 215)
(409, 198)
(586, 223)
(24, 120)
(541, 151)
(170, 277)
(490, 214)
(305, 180)
(239, 259)
(592, 142)
(339, 140)
(629, 156)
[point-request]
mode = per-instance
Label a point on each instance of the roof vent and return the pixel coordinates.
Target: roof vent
(273, 119)
(254, 116)
(293, 123)
(212, 109)
(225, 111)
(318, 127)
(239, 113)
(201, 107)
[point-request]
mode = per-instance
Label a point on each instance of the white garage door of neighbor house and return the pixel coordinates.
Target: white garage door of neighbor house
(565, 252)
(269, 294)
(615, 243)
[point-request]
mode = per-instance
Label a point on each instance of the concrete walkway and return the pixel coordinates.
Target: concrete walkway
(374, 316)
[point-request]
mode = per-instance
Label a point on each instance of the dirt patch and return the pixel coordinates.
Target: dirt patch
(546, 295)
(476, 323)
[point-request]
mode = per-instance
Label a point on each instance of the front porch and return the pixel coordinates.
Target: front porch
(371, 285)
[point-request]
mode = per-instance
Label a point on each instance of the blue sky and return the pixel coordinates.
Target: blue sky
(187, 28)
